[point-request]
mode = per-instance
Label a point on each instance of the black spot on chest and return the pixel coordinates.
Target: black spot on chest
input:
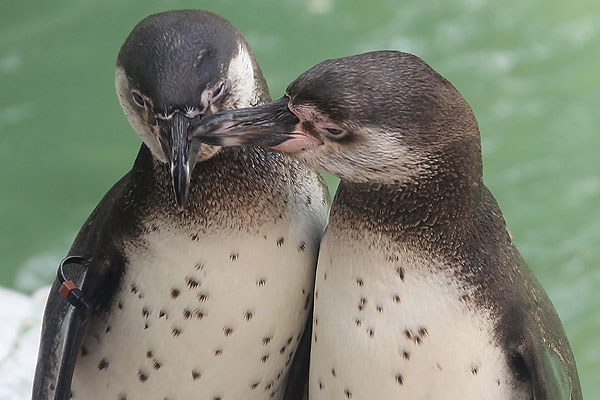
(103, 364)
(192, 282)
(142, 376)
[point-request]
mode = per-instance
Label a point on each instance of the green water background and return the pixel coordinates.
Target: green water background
(530, 70)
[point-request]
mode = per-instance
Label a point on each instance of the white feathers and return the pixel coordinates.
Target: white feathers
(240, 75)
(398, 329)
(141, 127)
(196, 312)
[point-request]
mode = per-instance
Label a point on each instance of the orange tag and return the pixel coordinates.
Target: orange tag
(66, 288)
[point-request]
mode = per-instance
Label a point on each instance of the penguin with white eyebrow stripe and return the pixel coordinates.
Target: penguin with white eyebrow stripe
(420, 292)
(197, 267)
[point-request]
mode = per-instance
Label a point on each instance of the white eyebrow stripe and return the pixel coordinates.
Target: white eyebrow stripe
(240, 75)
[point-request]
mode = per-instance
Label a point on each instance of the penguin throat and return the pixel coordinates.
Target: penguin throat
(432, 200)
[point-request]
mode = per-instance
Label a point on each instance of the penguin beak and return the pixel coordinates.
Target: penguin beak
(181, 153)
(272, 125)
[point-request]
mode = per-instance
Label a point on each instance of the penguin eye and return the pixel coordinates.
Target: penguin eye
(218, 91)
(138, 99)
(335, 133)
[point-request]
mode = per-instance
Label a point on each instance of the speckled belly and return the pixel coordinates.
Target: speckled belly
(201, 318)
(387, 327)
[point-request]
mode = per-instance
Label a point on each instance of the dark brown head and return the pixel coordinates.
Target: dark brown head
(176, 67)
(383, 117)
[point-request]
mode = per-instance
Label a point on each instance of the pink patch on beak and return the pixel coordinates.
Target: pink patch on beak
(296, 143)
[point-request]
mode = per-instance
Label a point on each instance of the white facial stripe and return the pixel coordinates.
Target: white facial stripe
(240, 76)
(379, 158)
(133, 115)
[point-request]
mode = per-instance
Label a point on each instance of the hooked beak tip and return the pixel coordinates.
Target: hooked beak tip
(181, 154)
(180, 175)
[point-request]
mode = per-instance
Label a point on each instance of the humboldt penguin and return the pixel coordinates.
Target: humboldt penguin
(420, 292)
(194, 275)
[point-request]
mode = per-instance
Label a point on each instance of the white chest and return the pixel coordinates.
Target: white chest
(201, 317)
(393, 329)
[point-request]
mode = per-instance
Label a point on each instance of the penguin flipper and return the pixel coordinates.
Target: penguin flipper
(64, 326)
(53, 343)
(546, 370)
(297, 385)
(539, 354)
(56, 361)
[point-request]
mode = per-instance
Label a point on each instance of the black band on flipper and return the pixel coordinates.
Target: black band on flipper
(68, 289)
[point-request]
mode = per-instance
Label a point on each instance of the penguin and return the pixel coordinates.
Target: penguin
(420, 292)
(193, 277)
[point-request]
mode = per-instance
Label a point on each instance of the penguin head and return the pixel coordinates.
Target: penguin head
(177, 67)
(383, 116)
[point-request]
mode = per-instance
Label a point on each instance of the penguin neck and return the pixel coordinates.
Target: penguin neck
(448, 192)
(227, 189)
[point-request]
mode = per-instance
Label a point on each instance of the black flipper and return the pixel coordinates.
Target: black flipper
(544, 365)
(64, 326)
(51, 346)
(550, 376)
(76, 326)
(542, 369)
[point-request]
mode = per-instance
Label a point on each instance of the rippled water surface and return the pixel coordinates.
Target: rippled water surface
(530, 70)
